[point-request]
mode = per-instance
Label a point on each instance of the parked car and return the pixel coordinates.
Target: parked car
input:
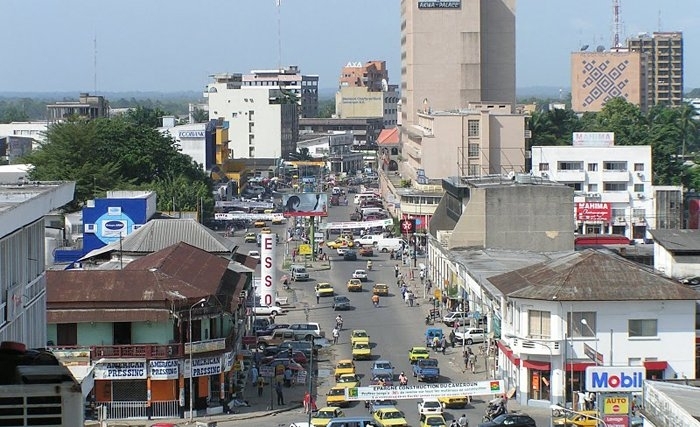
(270, 329)
(382, 367)
(304, 346)
(297, 356)
(254, 254)
(266, 310)
(512, 420)
(470, 335)
(311, 330)
(453, 317)
(429, 405)
(341, 251)
(250, 238)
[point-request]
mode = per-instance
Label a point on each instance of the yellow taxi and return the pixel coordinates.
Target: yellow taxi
(355, 285)
(250, 238)
(359, 335)
(259, 223)
(348, 381)
(336, 397)
(345, 366)
(338, 243)
(390, 417)
(453, 401)
(266, 230)
(432, 420)
(580, 419)
(416, 353)
(325, 415)
(277, 220)
(380, 289)
(361, 351)
(324, 289)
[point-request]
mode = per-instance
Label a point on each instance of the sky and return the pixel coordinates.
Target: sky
(175, 45)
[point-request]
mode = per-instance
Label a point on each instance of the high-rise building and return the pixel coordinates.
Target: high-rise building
(304, 86)
(455, 52)
(364, 91)
(664, 52)
(369, 75)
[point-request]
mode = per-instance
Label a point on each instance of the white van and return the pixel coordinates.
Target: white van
(299, 273)
(363, 196)
(370, 239)
(367, 211)
(387, 245)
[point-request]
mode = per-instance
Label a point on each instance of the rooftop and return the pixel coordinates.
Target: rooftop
(677, 240)
(24, 202)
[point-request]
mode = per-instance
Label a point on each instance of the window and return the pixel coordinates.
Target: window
(639, 167)
(642, 327)
(577, 186)
(473, 128)
(593, 167)
(544, 167)
(473, 170)
(615, 186)
(67, 334)
(618, 213)
(638, 188)
(592, 188)
(570, 166)
(473, 150)
(639, 213)
(539, 324)
(615, 166)
(576, 329)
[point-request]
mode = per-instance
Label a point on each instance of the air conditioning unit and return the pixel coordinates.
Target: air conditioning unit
(592, 194)
(640, 195)
(640, 175)
(545, 175)
(620, 219)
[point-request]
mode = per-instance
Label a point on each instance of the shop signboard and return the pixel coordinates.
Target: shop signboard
(268, 288)
(480, 388)
(593, 211)
(616, 405)
(203, 366)
(616, 420)
(615, 378)
(439, 4)
(267, 371)
(122, 370)
(163, 369)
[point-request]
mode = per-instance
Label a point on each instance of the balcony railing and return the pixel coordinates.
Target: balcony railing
(536, 347)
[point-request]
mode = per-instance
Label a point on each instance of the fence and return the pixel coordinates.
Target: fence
(138, 410)
(165, 409)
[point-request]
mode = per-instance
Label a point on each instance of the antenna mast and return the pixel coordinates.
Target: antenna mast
(616, 24)
(279, 35)
(94, 64)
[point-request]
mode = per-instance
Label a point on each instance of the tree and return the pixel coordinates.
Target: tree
(200, 116)
(626, 120)
(151, 117)
(13, 114)
(326, 108)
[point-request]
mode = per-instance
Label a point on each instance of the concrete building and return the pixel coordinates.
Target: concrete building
(263, 120)
(22, 257)
(597, 77)
(456, 52)
(34, 130)
(611, 184)
(676, 253)
(336, 149)
(304, 86)
(206, 143)
(479, 140)
(88, 106)
(364, 130)
(359, 102)
(664, 53)
(14, 148)
(372, 75)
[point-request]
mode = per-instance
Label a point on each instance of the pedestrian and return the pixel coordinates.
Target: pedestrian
(410, 299)
(307, 402)
(443, 344)
(396, 270)
(462, 422)
(280, 393)
(254, 373)
(336, 335)
(261, 386)
(454, 423)
(318, 297)
(472, 362)
(407, 296)
(288, 377)
(453, 337)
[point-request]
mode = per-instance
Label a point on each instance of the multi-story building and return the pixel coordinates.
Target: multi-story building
(612, 185)
(304, 86)
(597, 77)
(359, 102)
(34, 130)
(336, 149)
(664, 53)
(88, 106)
(205, 143)
(263, 120)
(456, 52)
(364, 130)
(22, 257)
(372, 75)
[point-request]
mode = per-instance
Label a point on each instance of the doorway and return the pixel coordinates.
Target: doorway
(121, 333)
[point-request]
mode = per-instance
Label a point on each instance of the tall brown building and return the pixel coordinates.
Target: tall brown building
(597, 77)
(664, 52)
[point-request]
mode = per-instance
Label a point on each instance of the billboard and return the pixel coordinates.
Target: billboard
(268, 287)
(593, 211)
(480, 388)
(611, 378)
(593, 139)
(305, 204)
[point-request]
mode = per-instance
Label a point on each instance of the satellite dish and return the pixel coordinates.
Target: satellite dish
(584, 48)
(600, 48)
(385, 85)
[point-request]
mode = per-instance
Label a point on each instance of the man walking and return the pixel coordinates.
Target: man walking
(280, 393)
(261, 386)
(318, 297)
(396, 271)
(336, 335)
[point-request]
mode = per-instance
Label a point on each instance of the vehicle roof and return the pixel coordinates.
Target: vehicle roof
(418, 348)
(382, 361)
(345, 361)
(431, 399)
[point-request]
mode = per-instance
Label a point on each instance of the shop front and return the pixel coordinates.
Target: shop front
(207, 384)
(121, 388)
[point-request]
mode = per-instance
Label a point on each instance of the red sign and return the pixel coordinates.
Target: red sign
(249, 339)
(617, 420)
(593, 211)
(408, 226)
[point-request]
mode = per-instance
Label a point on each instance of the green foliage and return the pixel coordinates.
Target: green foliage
(13, 113)
(326, 108)
(120, 153)
(200, 116)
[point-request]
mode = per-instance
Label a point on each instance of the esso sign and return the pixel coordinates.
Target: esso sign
(610, 378)
(267, 268)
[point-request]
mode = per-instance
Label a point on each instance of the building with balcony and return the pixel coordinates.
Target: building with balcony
(263, 121)
(336, 149)
(23, 207)
(664, 64)
(303, 86)
(136, 330)
(364, 130)
(612, 185)
(560, 316)
(87, 107)
(478, 140)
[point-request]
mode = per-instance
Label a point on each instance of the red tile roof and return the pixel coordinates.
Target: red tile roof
(388, 136)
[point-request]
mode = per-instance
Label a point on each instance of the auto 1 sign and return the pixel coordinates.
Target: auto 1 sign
(615, 378)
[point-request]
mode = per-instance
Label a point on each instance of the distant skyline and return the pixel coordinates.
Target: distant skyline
(175, 46)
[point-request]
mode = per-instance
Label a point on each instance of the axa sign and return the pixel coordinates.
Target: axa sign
(615, 378)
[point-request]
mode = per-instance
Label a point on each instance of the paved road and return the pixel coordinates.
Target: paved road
(394, 328)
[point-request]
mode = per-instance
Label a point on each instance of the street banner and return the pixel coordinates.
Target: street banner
(347, 225)
(132, 370)
(164, 369)
(219, 216)
(268, 285)
(305, 204)
(480, 388)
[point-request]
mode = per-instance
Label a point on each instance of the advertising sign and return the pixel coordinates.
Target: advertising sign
(305, 249)
(267, 371)
(203, 366)
(611, 378)
(114, 227)
(593, 211)
(388, 222)
(439, 4)
(228, 361)
(616, 405)
(305, 204)
(616, 420)
(594, 139)
(480, 388)
(408, 226)
(267, 269)
(163, 369)
(135, 370)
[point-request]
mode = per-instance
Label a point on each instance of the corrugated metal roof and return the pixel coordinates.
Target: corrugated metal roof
(677, 240)
(161, 233)
(590, 275)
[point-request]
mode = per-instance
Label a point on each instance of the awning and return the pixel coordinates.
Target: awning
(508, 352)
(578, 366)
(537, 364)
(655, 365)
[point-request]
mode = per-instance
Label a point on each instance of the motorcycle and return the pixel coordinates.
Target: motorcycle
(494, 409)
(369, 265)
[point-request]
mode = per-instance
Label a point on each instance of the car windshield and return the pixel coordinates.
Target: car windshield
(383, 365)
(393, 414)
(435, 421)
(429, 362)
(500, 419)
(336, 392)
(342, 299)
(360, 334)
(361, 345)
(325, 414)
(420, 351)
(344, 365)
(323, 285)
(431, 404)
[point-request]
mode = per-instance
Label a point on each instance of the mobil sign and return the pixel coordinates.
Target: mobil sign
(615, 378)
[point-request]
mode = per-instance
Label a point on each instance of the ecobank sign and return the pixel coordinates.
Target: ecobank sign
(611, 378)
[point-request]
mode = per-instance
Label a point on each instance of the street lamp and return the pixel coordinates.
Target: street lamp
(201, 301)
(551, 360)
(571, 411)
(595, 336)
